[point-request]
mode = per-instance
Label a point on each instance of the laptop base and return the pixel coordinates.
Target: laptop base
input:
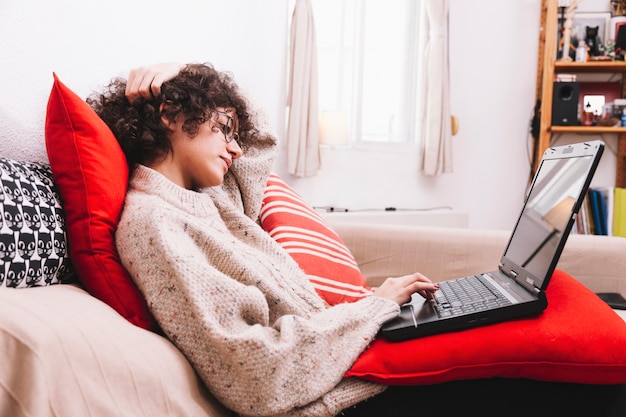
(398, 329)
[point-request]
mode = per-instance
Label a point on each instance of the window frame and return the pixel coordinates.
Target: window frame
(408, 124)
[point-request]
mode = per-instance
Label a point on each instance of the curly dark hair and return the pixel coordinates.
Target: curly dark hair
(196, 92)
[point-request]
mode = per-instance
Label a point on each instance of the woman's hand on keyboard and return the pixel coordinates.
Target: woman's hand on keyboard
(400, 289)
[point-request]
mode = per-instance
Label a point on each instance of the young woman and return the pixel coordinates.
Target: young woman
(233, 301)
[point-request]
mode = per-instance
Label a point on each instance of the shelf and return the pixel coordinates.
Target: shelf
(592, 66)
(547, 68)
(588, 130)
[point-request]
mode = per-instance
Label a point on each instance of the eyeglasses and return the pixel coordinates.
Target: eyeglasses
(228, 128)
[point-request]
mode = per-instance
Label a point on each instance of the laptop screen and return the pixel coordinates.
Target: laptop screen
(552, 201)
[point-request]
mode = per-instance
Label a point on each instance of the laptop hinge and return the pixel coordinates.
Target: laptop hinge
(527, 283)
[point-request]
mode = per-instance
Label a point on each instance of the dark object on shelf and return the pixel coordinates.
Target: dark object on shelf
(593, 40)
(613, 299)
(565, 103)
(609, 121)
(620, 42)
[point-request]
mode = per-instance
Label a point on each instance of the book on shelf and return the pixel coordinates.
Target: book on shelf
(598, 211)
(582, 225)
(603, 212)
(619, 212)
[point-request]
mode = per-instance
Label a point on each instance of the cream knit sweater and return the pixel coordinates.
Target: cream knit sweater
(235, 303)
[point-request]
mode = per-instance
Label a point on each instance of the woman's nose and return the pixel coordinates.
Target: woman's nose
(234, 149)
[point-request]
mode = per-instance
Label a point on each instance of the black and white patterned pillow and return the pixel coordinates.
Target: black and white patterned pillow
(33, 241)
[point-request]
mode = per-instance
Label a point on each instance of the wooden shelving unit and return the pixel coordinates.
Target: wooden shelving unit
(548, 67)
(589, 130)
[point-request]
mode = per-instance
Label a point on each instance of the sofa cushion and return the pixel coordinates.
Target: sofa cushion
(33, 243)
(578, 338)
(91, 172)
(318, 250)
(71, 355)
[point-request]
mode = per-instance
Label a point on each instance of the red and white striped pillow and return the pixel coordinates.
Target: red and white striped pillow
(319, 251)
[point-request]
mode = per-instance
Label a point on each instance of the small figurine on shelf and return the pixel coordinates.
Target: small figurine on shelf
(593, 40)
(609, 49)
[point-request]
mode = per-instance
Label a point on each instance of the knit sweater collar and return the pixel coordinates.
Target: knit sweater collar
(242, 190)
(150, 181)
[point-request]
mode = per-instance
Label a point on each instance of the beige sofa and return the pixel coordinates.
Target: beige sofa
(65, 353)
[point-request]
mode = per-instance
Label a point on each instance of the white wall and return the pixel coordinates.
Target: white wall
(493, 55)
(87, 42)
(493, 59)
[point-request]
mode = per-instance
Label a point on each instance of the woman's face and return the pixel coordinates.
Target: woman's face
(202, 160)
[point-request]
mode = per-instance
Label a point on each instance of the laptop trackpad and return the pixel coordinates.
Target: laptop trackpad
(424, 310)
(417, 311)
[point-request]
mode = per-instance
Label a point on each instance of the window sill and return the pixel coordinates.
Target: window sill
(373, 147)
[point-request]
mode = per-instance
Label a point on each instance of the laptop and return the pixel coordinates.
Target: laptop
(517, 287)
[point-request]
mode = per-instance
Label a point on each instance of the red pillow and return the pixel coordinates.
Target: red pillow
(91, 171)
(318, 250)
(578, 339)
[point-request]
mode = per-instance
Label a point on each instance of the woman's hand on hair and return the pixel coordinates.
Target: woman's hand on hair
(145, 82)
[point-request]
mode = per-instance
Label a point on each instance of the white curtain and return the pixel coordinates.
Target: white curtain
(303, 158)
(436, 127)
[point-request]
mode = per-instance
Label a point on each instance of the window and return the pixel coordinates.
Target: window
(368, 66)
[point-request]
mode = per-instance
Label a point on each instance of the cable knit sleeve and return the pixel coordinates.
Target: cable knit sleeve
(258, 336)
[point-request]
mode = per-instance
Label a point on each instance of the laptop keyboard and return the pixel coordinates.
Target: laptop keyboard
(467, 295)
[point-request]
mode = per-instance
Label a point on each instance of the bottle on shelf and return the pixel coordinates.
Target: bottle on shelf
(581, 52)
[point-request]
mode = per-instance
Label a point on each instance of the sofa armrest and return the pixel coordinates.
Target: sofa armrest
(599, 262)
(66, 353)
(441, 253)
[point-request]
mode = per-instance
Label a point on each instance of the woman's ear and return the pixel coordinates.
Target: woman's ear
(167, 122)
